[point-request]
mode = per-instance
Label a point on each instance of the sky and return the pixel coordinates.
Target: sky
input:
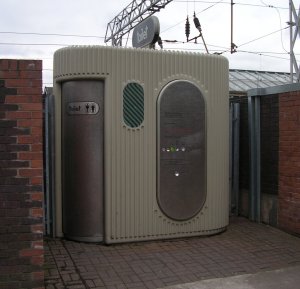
(35, 29)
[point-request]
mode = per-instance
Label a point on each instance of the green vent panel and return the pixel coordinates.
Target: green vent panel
(133, 105)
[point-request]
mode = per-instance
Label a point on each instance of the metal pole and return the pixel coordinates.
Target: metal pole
(231, 42)
(46, 167)
(236, 152)
(254, 135)
(252, 159)
(231, 150)
(204, 44)
(49, 216)
(257, 156)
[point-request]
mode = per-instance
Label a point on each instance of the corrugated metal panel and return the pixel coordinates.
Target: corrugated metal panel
(131, 209)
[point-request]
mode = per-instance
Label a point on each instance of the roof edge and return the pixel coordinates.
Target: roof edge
(274, 89)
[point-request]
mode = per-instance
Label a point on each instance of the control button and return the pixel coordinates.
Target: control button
(176, 174)
(183, 149)
(163, 149)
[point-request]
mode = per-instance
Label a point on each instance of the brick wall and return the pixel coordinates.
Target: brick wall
(289, 162)
(21, 171)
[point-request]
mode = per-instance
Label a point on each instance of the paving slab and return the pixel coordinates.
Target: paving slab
(245, 248)
(287, 278)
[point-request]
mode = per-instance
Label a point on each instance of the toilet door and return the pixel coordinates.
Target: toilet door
(82, 159)
(181, 150)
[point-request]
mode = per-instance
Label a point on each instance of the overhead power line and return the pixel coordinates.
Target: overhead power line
(263, 36)
(263, 54)
(51, 34)
(214, 3)
(228, 50)
(258, 53)
(166, 41)
(236, 3)
(34, 44)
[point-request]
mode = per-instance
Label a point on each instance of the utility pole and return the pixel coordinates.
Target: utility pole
(128, 18)
(294, 35)
(232, 45)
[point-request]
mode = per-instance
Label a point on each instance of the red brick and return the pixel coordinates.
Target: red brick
(31, 74)
(292, 115)
(288, 146)
(37, 260)
(23, 99)
(30, 172)
(288, 125)
(36, 114)
(37, 229)
(36, 147)
(288, 136)
(13, 64)
(30, 155)
(289, 95)
(289, 181)
(17, 99)
(3, 64)
(31, 252)
(36, 98)
(36, 196)
(30, 65)
(29, 90)
(30, 123)
(36, 181)
(37, 276)
(37, 164)
(36, 131)
(283, 97)
(9, 74)
(22, 83)
(37, 244)
(18, 114)
(36, 212)
(25, 139)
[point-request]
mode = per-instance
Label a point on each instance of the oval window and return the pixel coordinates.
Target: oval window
(181, 144)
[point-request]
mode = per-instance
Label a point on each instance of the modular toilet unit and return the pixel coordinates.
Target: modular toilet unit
(142, 144)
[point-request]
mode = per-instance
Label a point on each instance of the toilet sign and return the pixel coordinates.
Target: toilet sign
(146, 33)
(82, 107)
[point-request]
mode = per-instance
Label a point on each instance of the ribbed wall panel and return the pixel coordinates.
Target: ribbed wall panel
(131, 209)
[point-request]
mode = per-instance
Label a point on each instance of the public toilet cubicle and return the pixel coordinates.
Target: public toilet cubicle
(142, 144)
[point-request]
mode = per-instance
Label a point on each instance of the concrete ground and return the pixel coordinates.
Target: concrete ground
(247, 256)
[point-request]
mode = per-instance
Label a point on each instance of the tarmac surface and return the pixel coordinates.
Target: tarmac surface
(247, 256)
